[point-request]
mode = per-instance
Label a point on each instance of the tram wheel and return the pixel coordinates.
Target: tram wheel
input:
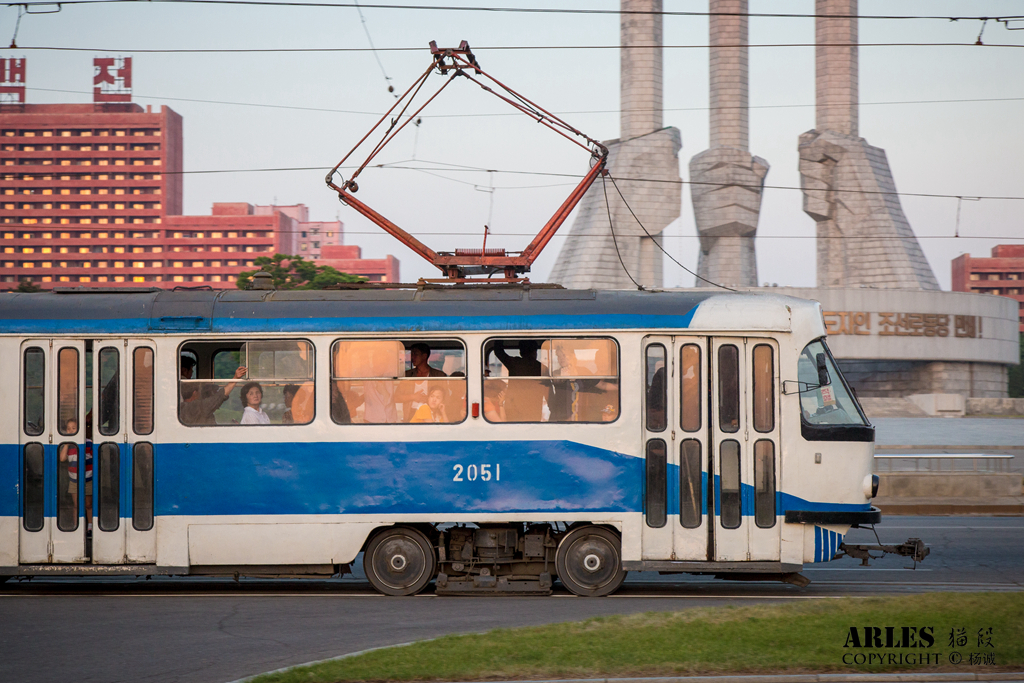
(399, 561)
(589, 561)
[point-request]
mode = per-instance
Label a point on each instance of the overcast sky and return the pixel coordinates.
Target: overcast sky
(968, 148)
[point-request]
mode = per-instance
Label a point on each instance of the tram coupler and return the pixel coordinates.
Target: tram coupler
(914, 548)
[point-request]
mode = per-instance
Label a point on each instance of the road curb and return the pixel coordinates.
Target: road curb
(773, 678)
(795, 678)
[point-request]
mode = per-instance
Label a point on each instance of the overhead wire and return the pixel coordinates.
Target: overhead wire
(529, 10)
(493, 48)
(450, 233)
(476, 169)
(504, 114)
(615, 242)
(655, 240)
(369, 39)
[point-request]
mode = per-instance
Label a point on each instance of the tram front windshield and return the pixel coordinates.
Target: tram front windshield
(829, 404)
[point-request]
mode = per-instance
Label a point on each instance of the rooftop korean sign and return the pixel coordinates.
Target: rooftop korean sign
(112, 79)
(12, 81)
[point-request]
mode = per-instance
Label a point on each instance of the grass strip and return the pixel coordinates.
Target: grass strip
(807, 636)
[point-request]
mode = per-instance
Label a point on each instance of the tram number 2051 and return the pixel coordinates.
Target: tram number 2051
(473, 472)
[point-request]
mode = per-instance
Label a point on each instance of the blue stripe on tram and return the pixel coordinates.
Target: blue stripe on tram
(405, 478)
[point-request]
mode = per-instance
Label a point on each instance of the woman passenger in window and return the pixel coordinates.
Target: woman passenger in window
(414, 397)
(252, 397)
(433, 410)
(494, 400)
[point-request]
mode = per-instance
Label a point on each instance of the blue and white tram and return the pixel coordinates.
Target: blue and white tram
(489, 439)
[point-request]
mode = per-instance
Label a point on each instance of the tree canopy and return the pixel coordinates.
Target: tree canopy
(294, 272)
(27, 286)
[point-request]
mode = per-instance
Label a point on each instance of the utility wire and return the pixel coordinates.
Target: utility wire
(654, 239)
(571, 236)
(474, 169)
(491, 48)
(502, 114)
(387, 79)
(611, 226)
(528, 10)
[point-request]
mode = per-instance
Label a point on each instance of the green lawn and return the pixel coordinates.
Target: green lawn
(800, 636)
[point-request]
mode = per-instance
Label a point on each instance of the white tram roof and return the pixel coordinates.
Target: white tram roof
(103, 311)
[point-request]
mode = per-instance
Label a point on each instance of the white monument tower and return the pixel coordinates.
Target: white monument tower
(727, 181)
(645, 156)
(863, 236)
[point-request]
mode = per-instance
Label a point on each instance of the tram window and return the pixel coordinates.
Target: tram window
(142, 390)
(831, 404)
(764, 483)
(729, 388)
(763, 375)
(730, 479)
(32, 501)
(246, 383)
(67, 391)
(656, 488)
(142, 486)
(656, 388)
(689, 377)
(530, 380)
(110, 391)
(390, 381)
(110, 486)
(68, 464)
(35, 392)
(691, 487)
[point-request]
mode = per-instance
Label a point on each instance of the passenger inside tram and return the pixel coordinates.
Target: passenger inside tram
(494, 400)
(524, 398)
(389, 381)
(414, 394)
(252, 398)
(434, 409)
(200, 400)
(556, 380)
(455, 402)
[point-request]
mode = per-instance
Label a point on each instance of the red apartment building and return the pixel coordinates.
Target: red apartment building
(85, 189)
(349, 259)
(91, 195)
(1001, 274)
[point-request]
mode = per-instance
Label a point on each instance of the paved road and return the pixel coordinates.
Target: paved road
(204, 631)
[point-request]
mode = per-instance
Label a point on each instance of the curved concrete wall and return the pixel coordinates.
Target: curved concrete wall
(931, 326)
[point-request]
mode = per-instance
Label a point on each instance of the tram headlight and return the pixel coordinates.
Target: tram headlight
(871, 486)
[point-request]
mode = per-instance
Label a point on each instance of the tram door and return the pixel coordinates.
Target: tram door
(745, 448)
(676, 523)
(123, 433)
(52, 463)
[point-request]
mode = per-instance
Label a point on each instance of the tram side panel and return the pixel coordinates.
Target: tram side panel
(310, 494)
